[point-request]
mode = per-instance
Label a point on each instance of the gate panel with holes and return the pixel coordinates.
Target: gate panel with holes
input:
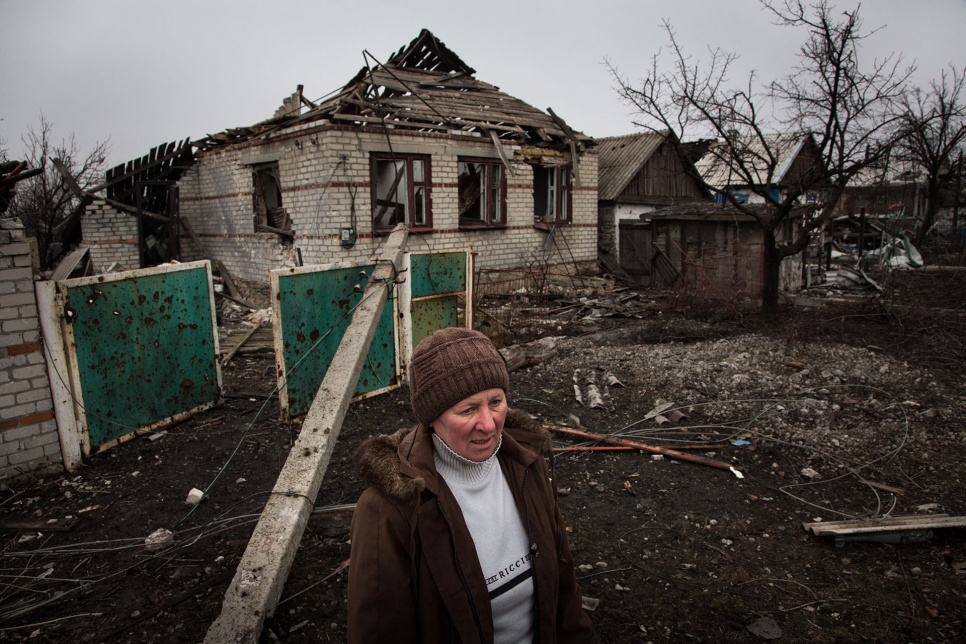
(312, 307)
(129, 352)
(438, 292)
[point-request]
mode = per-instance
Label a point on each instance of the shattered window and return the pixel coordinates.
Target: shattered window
(482, 192)
(552, 201)
(400, 191)
(267, 199)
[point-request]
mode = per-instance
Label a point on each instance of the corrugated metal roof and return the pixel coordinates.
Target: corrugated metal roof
(620, 158)
(719, 173)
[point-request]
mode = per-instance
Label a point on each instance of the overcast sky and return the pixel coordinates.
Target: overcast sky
(140, 73)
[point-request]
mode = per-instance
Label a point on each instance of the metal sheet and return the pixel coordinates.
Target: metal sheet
(437, 273)
(313, 308)
(144, 346)
(430, 314)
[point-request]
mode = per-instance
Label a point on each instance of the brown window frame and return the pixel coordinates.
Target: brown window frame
(494, 178)
(412, 188)
(268, 208)
(562, 192)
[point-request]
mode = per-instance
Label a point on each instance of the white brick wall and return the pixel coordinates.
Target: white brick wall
(324, 171)
(111, 236)
(28, 432)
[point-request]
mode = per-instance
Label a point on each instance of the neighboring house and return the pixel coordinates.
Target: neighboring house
(639, 173)
(775, 165)
(894, 194)
(709, 249)
(417, 140)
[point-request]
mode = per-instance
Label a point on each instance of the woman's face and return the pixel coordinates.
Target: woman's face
(473, 426)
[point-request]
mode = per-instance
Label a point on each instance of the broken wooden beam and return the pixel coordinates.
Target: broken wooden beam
(230, 283)
(903, 529)
(655, 449)
(234, 349)
(257, 585)
(236, 300)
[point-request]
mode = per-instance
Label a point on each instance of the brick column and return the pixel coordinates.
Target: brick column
(28, 432)
(111, 235)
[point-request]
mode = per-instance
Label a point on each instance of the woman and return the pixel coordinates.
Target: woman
(459, 538)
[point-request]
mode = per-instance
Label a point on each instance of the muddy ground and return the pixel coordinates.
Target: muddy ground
(851, 407)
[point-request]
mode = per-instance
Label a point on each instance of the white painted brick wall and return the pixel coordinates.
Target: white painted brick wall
(111, 236)
(325, 170)
(28, 432)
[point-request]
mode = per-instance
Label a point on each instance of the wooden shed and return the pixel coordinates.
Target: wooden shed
(708, 249)
(637, 174)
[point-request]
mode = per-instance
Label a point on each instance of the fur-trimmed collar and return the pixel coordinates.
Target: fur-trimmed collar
(379, 458)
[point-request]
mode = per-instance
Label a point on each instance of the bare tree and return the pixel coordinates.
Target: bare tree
(845, 107)
(933, 139)
(45, 200)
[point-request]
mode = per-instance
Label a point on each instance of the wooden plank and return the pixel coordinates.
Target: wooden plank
(499, 150)
(237, 301)
(14, 525)
(70, 263)
(229, 282)
(890, 524)
(234, 349)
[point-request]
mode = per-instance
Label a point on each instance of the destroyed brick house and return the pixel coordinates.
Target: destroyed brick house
(415, 140)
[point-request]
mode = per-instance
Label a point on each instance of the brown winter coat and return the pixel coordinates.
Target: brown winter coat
(414, 575)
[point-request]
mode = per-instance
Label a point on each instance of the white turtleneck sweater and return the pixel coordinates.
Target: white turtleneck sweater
(500, 538)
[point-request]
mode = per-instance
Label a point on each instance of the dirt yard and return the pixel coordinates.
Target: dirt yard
(852, 407)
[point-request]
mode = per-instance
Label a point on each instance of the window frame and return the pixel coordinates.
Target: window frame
(559, 188)
(496, 208)
(412, 187)
(262, 214)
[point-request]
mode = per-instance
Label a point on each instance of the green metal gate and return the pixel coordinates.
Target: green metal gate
(312, 306)
(131, 351)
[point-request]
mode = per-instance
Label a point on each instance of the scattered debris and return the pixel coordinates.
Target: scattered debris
(765, 628)
(589, 393)
(159, 539)
(194, 496)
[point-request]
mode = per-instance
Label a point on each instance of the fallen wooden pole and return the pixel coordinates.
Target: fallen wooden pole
(255, 590)
(701, 460)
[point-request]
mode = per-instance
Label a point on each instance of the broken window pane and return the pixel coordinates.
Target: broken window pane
(552, 201)
(267, 198)
(400, 191)
(482, 192)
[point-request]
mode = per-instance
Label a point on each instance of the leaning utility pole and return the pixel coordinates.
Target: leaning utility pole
(255, 590)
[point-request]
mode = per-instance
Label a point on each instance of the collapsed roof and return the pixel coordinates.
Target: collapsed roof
(424, 87)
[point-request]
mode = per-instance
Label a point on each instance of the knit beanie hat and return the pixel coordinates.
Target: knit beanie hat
(450, 365)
